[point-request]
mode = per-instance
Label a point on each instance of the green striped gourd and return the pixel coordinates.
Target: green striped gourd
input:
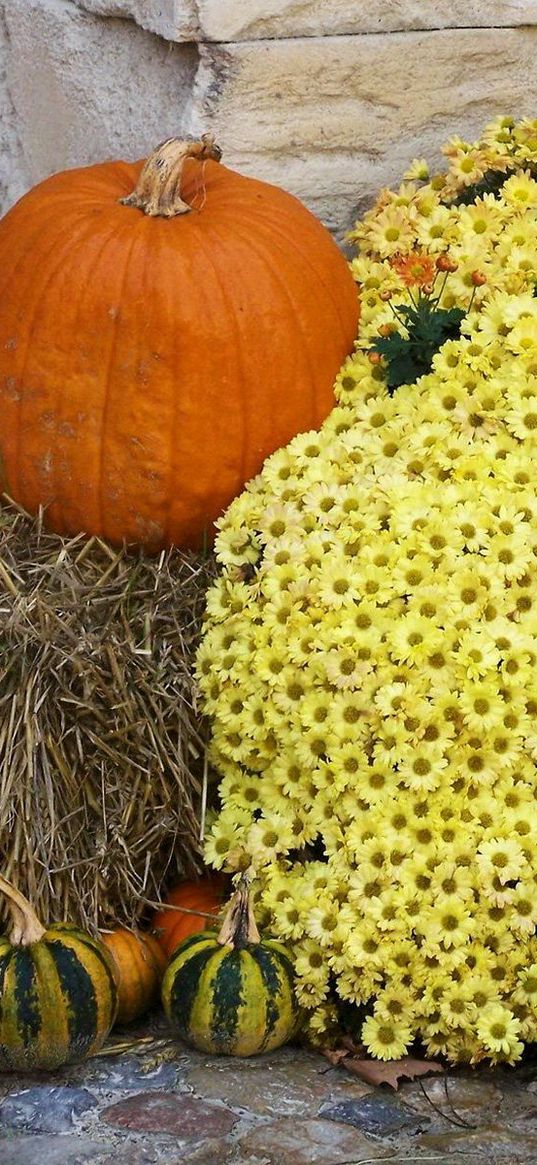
(58, 995)
(232, 992)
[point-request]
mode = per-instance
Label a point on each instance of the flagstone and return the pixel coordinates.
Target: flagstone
(45, 1109)
(310, 1142)
(60, 1150)
(297, 1084)
(182, 1115)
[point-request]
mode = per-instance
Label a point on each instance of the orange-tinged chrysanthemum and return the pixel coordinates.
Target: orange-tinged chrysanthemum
(414, 269)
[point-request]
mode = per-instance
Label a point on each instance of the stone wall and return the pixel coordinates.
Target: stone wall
(329, 98)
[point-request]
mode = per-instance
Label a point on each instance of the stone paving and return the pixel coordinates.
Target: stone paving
(159, 1103)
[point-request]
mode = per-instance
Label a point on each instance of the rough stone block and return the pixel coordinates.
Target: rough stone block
(171, 19)
(86, 89)
(462, 1093)
(270, 19)
(231, 20)
(132, 1154)
(312, 116)
(14, 179)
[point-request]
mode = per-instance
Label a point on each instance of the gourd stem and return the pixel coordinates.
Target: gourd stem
(239, 928)
(158, 190)
(26, 926)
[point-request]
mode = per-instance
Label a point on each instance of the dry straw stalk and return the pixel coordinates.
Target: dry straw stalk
(101, 746)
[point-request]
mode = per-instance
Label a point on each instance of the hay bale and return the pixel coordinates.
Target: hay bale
(101, 747)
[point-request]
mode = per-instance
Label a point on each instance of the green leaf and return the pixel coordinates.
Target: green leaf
(491, 183)
(407, 357)
(403, 371)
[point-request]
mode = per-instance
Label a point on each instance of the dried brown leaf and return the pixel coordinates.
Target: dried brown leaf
(391, 1071)
(336, 1056)
(377, 1072)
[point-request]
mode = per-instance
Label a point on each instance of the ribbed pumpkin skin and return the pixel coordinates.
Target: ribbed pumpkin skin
(58, 1000)
(231, 1002)
(172, 927)
(148, 366)
(140, 964)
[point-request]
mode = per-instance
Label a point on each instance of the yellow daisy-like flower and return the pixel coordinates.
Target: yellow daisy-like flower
(369, 651)
(447, 923)
(311, 964)
(224, 847)
(477, 656)
(456, 1005)
(523, 907)
(526, 988)
(434, 229)
(386, 1039)
(520, 190)
(484, 218)
(501, 857)
(418, 169)
(464, 165)
(392, 231)
(499, 1030)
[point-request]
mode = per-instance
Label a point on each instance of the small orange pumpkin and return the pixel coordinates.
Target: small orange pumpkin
(140, 964)
(195, 901)
(151, 359)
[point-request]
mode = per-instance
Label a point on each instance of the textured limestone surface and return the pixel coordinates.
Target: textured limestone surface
(172, 19)
(14, 177)
(229, 20)
(314, 116)
(330, 100)
(84, 88)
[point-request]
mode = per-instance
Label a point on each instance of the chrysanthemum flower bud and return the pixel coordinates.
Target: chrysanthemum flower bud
(445, 263)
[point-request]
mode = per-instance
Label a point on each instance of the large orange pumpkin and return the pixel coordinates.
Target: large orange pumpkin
(194, 903)
(150, 360)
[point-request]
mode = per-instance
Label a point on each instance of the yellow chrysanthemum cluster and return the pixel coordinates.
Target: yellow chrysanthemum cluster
(370, 649)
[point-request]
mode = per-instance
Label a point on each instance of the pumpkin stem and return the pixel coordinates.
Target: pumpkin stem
(158, 190)
(239, 928)
(26, 926)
